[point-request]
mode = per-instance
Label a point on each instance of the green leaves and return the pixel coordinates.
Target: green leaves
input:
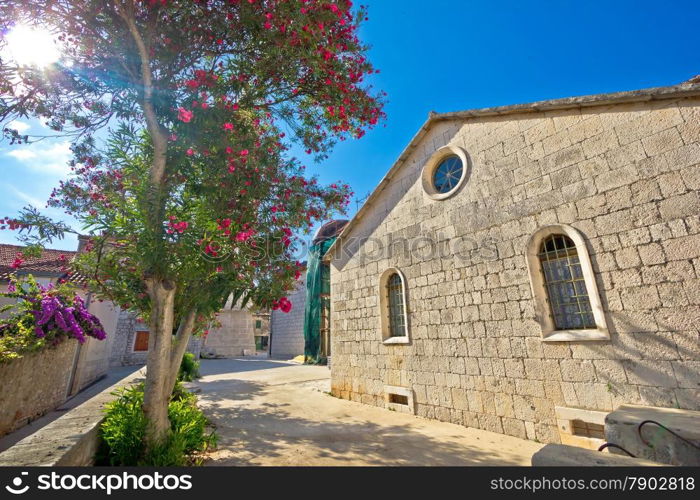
(37, 230)
(203, 194)
(123, 431)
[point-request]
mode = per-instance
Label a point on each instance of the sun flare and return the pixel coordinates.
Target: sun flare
(32, 46)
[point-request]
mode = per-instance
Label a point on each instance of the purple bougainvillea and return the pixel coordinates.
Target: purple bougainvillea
(44, 316)
(73, 319)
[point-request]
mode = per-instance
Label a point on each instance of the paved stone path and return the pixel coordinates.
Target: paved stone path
(277, 413)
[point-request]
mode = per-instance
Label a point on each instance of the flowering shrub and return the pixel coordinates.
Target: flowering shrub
(43, 316)
(123, 431)
(191, 190)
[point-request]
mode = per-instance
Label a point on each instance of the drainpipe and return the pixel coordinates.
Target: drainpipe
(269, 339)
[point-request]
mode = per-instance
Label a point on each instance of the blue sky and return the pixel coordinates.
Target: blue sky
(449, 55)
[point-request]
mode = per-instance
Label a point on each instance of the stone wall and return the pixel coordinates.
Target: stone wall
(287, 329)
(235, 336)
(34, 384)
(627, 177)
(70, 440)
(123, 353)
(94, 355)
(122, 346)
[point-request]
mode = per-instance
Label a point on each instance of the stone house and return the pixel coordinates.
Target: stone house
(241, 331)
(130, 344)
(90, 358)
(528, 269)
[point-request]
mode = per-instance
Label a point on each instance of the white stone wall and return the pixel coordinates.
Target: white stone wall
(94, 355)
(287, 329)
(627, 177)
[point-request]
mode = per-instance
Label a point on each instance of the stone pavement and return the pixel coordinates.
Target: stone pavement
(278, 413)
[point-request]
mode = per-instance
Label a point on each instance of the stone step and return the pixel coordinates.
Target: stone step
(561, 455)
(622, 428)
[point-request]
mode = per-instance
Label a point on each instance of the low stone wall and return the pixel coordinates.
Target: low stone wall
(71, 440)
(34, 384)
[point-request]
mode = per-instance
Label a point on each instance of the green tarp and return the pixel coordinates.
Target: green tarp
(317, 283)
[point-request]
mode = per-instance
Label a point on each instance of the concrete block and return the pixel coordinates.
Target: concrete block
(622, 428)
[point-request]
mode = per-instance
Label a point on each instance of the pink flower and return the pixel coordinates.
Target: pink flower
(284, 304)
(19, 259)
(177, 227)
(211, 249)
(244, 152)
(184, 115)
(244, 235)
(228, 126)
(190, 152)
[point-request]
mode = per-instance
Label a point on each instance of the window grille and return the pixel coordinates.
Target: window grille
(397, 318)
(567, 295)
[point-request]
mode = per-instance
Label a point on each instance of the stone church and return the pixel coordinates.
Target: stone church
(528, 269)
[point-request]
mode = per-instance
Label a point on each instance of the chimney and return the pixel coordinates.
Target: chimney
(82, 242)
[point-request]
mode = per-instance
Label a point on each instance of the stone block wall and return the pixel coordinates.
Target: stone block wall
(123, 353)
(34, 384)
(233, 338)
(287, 329)
(122, 345)
(626, 176)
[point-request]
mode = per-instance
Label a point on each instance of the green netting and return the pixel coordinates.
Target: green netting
(317, 283)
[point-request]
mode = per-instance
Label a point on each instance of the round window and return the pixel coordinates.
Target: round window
(445, 172)
(448, 174)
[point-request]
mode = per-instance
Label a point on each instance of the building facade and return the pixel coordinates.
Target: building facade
(239, 332)
(528, 269)
(287, 329)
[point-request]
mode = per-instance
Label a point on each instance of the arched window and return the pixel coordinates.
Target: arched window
(567, 303)
(397, 317)
(392, 305)
(567, 295)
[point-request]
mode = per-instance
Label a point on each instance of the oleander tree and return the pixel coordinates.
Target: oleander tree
(181, 115)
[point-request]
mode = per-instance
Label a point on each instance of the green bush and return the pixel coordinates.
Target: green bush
(123, 431)
(189, 368)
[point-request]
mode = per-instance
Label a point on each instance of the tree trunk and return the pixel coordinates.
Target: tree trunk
(156, 397)
(184, 332)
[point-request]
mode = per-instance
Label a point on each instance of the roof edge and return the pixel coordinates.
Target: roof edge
(685, 89)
